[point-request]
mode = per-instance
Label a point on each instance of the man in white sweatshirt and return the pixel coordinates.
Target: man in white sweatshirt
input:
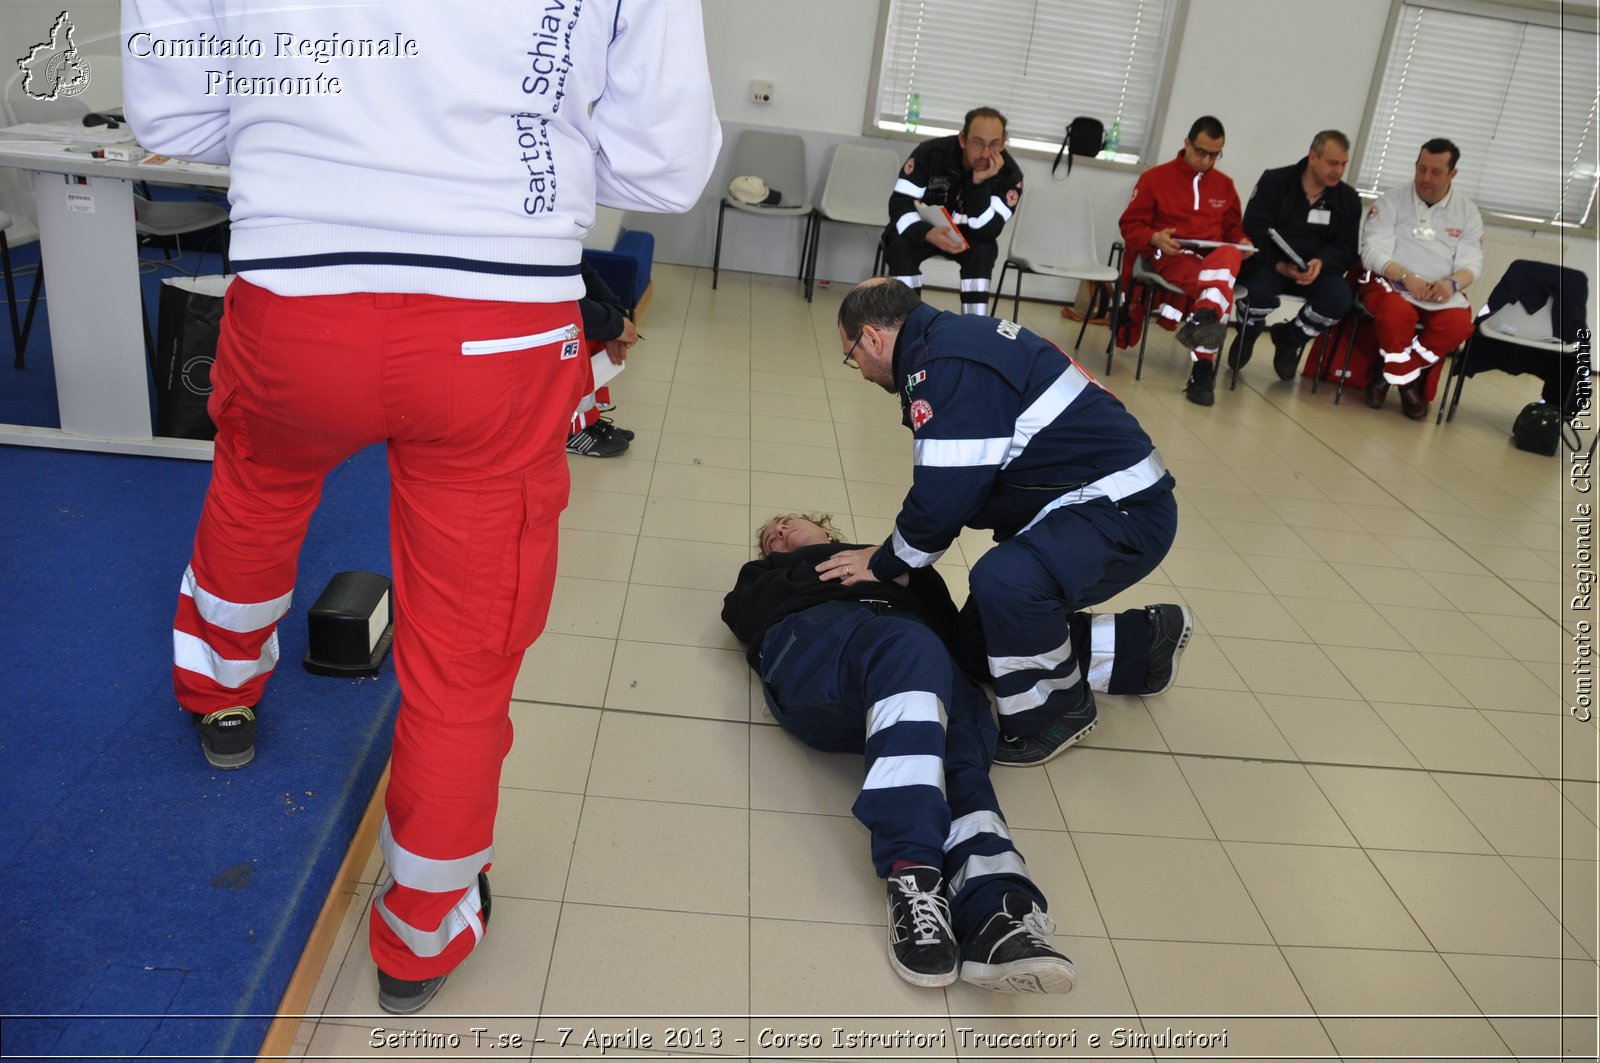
(1423, 244)
(409, 185)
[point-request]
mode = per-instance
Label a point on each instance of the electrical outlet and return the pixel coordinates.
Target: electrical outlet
(760, 92)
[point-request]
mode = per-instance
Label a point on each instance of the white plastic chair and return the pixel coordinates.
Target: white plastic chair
(1054, 237)
(1509, 324)
(856, 192)
(779, 159)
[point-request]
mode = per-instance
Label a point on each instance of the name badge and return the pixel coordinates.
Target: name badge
(1319, 216)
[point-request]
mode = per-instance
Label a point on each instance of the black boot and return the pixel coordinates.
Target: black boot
(1202, 380)
(1287, 338)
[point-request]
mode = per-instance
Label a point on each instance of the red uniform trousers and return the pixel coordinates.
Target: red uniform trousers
(1406, 351)
(589, 406)
(1207, 280)
(473, 399)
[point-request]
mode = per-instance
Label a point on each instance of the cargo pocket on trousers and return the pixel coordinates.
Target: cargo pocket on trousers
(544, 496)
(228, 413)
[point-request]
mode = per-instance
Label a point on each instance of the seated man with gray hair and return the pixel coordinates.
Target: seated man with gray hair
(865, 669)
(1311, 208)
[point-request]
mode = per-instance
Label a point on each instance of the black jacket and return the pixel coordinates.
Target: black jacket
(600, 308)
(1279, 202)
(936, 174)
(777, 585)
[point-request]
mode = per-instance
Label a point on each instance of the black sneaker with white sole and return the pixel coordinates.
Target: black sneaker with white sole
(1012, 952)
(228, 736)
(1054, 740)
(400, 996)
(1170, 628)
(596, 442)
(922, 946)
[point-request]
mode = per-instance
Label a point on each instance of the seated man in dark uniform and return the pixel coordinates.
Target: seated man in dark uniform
(972, 177)
(864, 669)
(1319, 217)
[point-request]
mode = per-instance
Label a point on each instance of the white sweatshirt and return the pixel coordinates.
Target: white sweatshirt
(454, 149)
(1431, 242)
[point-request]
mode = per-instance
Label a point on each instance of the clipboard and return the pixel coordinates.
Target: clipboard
(1207, 245)
(1288, 252)
(939, 218)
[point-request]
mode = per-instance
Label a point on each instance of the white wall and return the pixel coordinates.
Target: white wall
(1274, 72)
(821, 66)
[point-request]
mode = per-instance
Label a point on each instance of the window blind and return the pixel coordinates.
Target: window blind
(1518, 97)
(1041, 63)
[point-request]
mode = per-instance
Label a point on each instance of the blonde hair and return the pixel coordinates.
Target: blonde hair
(821, 520)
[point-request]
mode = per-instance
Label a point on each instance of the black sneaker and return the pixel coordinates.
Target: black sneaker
(922, 947)
(1170, 628)
(1054, 740)
(613, 428)
(398, 996)
(1287, 339)
(228, 736)
(1012, 952)
(1203, 329)
(1200, 389)
(596, 442)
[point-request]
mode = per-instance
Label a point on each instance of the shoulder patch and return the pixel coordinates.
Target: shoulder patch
(911, 164)
(1012, 197)
(921, 413)
(915, 378)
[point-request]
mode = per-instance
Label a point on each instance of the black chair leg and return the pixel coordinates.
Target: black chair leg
(1119, 315)
(1458, 369)
(1144, 337)
(716, 256)
(805, 247)
(808, 254)
(1344, 370)
(1241, 308)
(20, 329)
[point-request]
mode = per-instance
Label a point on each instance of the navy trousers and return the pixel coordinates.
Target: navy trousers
(850, 677)
(1027, 597)
(1327, 299)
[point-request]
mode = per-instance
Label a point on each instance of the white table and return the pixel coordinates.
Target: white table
(91, 270)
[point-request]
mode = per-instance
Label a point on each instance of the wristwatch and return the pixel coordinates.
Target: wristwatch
(1454, 286)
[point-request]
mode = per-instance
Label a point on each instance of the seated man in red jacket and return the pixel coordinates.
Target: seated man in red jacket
(1186, 199)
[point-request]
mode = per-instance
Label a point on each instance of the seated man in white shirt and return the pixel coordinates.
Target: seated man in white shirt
(1423, 244)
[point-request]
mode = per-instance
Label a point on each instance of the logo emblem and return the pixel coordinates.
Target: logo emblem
(1454, 234)
(921, 414)
(569, 350)
(54, 69)
(1012, 197)
(911, 164)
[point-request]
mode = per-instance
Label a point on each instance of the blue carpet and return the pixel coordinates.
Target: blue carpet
(140, 884)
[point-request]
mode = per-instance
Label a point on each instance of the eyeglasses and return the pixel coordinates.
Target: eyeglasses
(850, 355)
(1203, 153)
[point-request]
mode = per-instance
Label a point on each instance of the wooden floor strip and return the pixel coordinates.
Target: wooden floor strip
(280, 1038)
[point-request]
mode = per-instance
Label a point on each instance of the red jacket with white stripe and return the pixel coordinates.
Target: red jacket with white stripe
(1174, 195)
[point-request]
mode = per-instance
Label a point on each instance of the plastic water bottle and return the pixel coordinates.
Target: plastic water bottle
(913, 112)
(1113, 139)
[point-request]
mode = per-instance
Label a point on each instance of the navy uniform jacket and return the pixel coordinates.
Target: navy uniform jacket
(1007, 428)
(1279, 202)
(936, 174)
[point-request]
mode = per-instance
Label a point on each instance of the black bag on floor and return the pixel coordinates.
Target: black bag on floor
(190, 315)
(1538, 428)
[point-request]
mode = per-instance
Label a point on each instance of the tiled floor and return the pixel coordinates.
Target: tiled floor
(1362, 799)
